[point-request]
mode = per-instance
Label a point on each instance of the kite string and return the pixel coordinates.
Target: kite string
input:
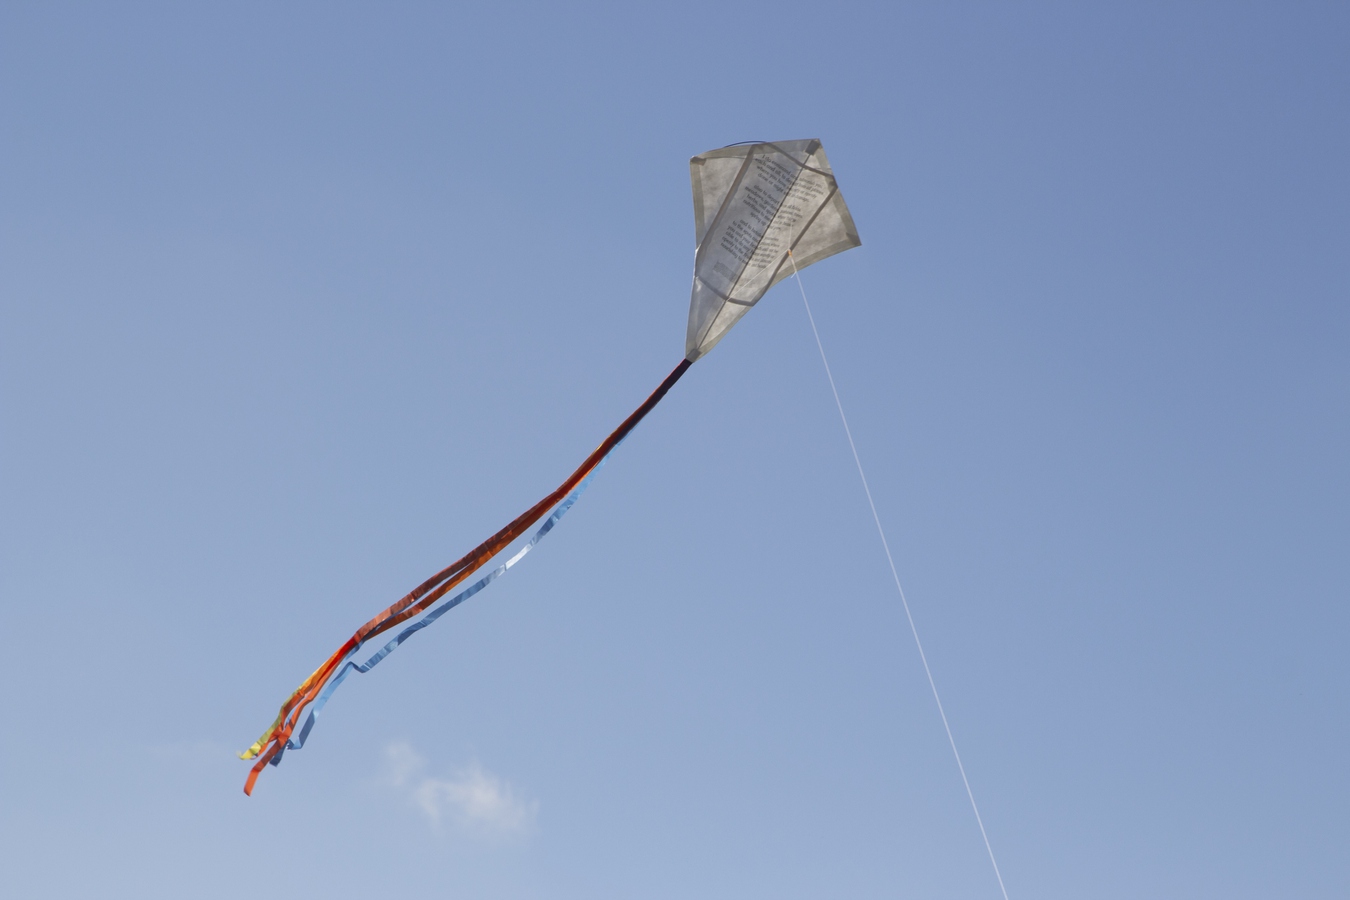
(895, 575)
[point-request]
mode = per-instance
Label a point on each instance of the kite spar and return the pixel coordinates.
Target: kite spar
(761, 211)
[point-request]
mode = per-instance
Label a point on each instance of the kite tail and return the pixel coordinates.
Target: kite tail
(318, 687)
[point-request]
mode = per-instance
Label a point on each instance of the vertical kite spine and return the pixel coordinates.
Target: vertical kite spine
(269, 747)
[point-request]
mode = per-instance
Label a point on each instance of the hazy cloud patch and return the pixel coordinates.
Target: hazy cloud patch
(472, 799)
(201, 751)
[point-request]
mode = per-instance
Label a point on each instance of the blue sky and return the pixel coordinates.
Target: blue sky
(298, 304)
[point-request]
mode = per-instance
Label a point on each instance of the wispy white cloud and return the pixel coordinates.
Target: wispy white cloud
(472, 799)
(201, 751)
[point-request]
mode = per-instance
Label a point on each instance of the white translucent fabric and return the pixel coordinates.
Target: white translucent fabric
(752, 204)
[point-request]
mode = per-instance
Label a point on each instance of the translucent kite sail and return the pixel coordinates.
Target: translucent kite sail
(754, 204)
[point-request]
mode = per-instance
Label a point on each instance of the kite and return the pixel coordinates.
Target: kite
(762, 211)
